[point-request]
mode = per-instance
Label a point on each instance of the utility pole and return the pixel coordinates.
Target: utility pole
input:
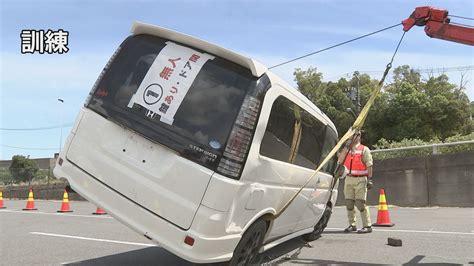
(61, 124)
(356, 75)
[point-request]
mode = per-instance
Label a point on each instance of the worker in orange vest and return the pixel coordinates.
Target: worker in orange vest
(358, 180)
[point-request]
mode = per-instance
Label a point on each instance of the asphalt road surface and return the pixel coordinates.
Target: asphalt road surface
(44, 237)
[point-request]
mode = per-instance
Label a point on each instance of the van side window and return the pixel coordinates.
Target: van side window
(277, 140)
(312, 139)
(329, 142)
(295, 136)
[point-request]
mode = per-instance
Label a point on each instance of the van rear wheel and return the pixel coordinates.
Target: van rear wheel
(319, 227)
(246, 252)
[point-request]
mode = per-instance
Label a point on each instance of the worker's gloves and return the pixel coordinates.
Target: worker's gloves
(340, 172)
(370, 183)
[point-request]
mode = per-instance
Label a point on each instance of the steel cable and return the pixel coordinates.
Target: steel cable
(336, 45)
(38, 128)
(454, 16)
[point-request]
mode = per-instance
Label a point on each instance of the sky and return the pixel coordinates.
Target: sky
(269, 31)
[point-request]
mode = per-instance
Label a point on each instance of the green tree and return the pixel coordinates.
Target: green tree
(468, 128)
(449, 111)
(41, 174)
(407, 113)
(405, 73)
(376, 122)
(330, 97)
(22, 169)
(4, 175)
(426, 110)
(407, 108)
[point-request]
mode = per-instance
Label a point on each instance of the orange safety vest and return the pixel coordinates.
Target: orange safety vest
(354, 162)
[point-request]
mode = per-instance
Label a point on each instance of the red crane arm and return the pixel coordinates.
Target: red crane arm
(437, 25)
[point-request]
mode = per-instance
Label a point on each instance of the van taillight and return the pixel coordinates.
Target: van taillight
(240, 138)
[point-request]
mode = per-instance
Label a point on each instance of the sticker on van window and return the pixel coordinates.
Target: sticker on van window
(168, 80)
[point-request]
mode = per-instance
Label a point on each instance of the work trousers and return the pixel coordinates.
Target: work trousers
(355, 192)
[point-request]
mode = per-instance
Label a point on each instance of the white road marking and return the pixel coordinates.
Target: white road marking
(67, 263)
(58, 214)
(412, 231)
(95, 239)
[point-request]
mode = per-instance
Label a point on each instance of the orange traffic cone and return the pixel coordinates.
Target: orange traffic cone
(65, 204)
(1, 200)
(99, 211)
(30, 204)
(383, 218)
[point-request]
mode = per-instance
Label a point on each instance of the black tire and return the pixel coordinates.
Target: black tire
(319, 227)
(246, 252)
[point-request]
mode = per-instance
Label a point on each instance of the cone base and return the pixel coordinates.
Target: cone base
(383, 225)
(65, 211)
(32, 209)
(3, 207)
(99, 213)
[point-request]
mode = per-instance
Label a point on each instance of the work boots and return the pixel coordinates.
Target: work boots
(350, 228)
(365, 230)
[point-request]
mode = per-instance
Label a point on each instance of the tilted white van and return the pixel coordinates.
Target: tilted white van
(197, 148)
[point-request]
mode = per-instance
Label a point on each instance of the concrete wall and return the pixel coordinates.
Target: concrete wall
(452, 180)
(43, 163)
(48, 192)
(437, 180)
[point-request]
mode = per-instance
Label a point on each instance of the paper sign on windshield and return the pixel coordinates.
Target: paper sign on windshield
(168, 80)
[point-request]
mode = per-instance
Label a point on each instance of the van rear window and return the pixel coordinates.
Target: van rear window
(205, 115)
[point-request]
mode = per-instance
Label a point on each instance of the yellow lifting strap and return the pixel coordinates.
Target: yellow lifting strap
(356, 127)
(358, 123)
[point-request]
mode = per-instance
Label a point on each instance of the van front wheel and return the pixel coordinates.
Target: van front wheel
(246, 252)
(319, 227)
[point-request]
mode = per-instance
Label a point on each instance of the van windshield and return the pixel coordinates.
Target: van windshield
(204, 113)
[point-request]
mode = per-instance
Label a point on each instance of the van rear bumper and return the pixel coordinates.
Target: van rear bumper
(206, 249)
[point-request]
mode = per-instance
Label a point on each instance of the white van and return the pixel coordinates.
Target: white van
(197, 148)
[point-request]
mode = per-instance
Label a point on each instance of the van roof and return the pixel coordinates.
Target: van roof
(257, 68)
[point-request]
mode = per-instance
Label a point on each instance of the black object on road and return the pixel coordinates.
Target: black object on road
(394, 242)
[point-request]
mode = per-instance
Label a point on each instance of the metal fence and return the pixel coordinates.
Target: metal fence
(433, 147)
(424, 150)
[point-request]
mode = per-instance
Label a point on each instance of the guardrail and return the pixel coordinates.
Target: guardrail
(433, 146)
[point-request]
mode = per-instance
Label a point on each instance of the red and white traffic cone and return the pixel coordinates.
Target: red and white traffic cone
(1, 200)
(65, 204)
(383, 219)
(30, 204)
(99, 211)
